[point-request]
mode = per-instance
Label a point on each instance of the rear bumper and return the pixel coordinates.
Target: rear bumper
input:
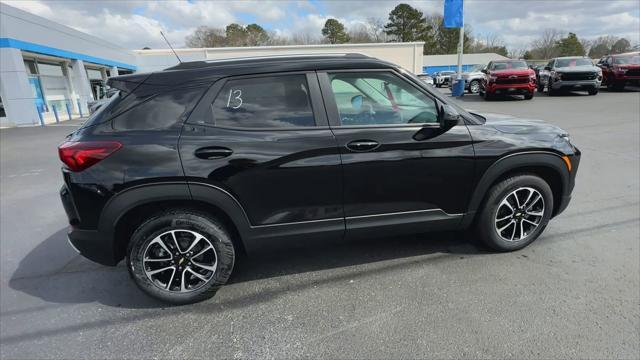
(90, 244)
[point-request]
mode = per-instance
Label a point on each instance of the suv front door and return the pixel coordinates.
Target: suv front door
(265, 141)
(400, 167)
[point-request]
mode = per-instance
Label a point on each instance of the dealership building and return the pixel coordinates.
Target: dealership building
(50, 72)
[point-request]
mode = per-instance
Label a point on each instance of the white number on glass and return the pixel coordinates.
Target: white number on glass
(236, 95)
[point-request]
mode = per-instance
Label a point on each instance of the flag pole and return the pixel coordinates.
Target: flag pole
(460, 49)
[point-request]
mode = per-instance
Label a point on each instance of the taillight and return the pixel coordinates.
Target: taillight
(78, 156)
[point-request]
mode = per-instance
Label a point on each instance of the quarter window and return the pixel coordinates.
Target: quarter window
(264, 102)
(380, 98)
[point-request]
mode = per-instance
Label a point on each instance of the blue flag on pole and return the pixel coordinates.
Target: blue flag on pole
(453, 17)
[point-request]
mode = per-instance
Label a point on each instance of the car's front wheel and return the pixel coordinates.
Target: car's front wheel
(515, 212)
(474, 87)
(180, 256)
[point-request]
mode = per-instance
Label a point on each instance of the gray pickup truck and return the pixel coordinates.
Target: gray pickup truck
(570, 73)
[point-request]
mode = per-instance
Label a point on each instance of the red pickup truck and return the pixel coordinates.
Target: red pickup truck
(509, 77)
(620, 69)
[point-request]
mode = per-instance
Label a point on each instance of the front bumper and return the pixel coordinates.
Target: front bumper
(576, 84)
(566, 196)
(520, 89)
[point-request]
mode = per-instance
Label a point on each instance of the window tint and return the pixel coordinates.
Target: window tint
(573, 62)
(264, 102)
(380, 98)
(159, 111)
(506, 65)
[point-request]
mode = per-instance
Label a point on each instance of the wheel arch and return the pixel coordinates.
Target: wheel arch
(547, 165)
(130, 208)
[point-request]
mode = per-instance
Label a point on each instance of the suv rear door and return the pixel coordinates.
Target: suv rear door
(265, 140)
(400, 167)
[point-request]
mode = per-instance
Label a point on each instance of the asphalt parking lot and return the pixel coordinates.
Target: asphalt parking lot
(575, 293)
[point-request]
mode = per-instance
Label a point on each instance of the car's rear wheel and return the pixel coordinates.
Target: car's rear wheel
(515, 212)
(180, 256)
(474, 87)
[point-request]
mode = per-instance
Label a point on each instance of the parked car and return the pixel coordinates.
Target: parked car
(473, 79)
(508, 77)
(538, 70)
(443, 78)
(185, 168)
(426, 78)
(620, 70)
(570, 73)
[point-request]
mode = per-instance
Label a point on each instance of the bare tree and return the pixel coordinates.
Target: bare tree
(205, 36)
(360, 34)
(376, 30)
(546, 46)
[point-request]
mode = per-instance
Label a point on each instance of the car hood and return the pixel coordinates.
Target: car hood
(513, 125)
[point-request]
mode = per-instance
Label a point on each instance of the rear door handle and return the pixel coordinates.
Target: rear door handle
(213, 152)
(363, 145)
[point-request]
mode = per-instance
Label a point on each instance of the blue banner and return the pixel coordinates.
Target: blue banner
(453, 17)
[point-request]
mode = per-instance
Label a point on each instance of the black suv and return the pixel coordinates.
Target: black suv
(187, 167)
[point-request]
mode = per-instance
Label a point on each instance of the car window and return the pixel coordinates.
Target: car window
(158, 111)
(380, 98)
(264, 102)
(573, 62)
(627, 60)
(509, 65)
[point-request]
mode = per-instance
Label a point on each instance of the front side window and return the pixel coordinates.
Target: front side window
(380, 98)
(264, 102)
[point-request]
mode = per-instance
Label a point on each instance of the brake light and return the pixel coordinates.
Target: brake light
(78, 156)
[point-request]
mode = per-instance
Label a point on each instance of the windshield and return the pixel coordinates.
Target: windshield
(627, 59)
(477, 68)
(507, 65)
(573, 62)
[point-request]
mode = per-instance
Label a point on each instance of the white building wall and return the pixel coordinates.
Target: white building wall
(407, 55)
(17, 96)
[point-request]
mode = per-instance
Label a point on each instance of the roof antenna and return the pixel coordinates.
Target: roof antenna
(171, 47)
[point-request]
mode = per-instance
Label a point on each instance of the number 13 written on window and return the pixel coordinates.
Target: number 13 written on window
(236, 96)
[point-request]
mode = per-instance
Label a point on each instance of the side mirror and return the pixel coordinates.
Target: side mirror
(548, 68)
(449, 117)
(484, 71)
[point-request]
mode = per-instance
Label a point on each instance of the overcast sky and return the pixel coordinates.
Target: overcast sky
(136, 24)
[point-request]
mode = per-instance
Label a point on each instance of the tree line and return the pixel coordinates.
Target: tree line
(405, 24)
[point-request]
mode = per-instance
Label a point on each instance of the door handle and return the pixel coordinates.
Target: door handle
(213, 152)
(363, 145)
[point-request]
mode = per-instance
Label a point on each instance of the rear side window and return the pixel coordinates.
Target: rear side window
(264, 102)
(159, 111)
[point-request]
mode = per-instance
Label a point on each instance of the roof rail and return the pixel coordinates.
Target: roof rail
(280, 56)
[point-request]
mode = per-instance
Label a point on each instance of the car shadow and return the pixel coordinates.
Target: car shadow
(82, 281)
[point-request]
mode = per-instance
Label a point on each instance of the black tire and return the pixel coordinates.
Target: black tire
(540, 87)
(486, 221)
(487, 96)
(593, 92)
(181, 219)
(473, 84)
(529, 96)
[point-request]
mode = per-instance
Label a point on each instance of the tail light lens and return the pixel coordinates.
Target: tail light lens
(78, 156)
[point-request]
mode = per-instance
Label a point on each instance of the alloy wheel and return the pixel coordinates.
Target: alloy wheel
(180, 261)
(519, 214)
(474, 87)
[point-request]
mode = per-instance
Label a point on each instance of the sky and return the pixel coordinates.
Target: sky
(135, 24)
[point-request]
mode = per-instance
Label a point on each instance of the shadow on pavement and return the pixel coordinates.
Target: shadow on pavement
(81, 281)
